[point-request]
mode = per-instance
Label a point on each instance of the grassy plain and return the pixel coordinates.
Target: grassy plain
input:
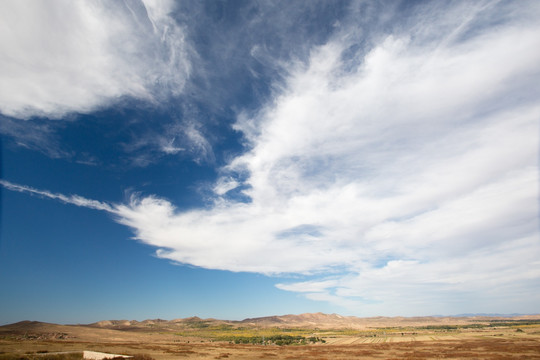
(200, 339)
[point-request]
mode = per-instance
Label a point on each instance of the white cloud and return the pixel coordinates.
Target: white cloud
(224, 185)
(414, 174)
(62, 56)
(408, 183)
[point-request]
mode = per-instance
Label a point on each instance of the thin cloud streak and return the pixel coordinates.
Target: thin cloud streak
(67, 199)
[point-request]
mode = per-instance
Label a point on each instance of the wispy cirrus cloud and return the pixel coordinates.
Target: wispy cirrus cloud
(64, 57)
(185, 138)
(402, 167)
(34, 135)
(68, 199)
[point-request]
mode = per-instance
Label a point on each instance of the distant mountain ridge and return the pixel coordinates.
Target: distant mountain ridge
(306, 320)
(491, 315)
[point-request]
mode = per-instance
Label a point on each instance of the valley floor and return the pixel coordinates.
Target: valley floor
(507, 341)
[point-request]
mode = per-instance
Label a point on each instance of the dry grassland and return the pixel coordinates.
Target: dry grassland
(504, 340)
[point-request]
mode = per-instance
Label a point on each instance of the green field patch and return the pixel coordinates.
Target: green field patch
(248, 335)
(514, 323)
(452, 327)
(273, 340)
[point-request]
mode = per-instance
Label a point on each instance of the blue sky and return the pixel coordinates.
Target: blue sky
(234, 159)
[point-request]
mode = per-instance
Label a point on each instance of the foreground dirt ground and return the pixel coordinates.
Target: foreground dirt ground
(458, 347)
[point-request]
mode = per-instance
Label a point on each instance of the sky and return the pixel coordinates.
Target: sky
(235, 159)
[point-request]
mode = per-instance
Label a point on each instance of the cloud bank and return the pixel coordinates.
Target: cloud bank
(399, 168)
(404, 171)
(66, 57)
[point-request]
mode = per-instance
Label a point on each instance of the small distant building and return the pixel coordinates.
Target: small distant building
(94, 355)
